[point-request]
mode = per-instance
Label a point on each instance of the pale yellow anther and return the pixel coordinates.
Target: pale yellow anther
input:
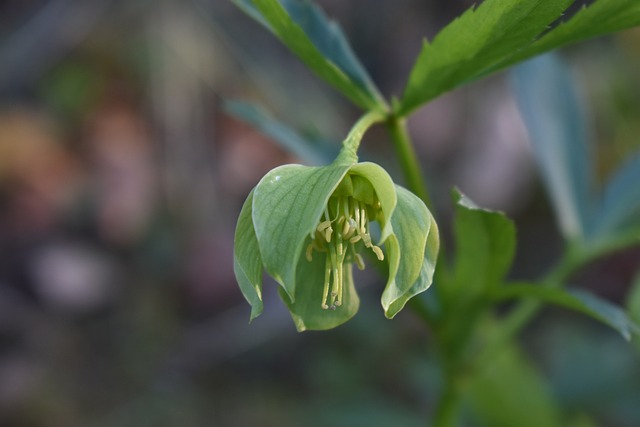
(348, 234)
(323, 226)
(359, 261)
(327, 234)
(345, 228)
(309, 254)
(376, 250)
(355, 239)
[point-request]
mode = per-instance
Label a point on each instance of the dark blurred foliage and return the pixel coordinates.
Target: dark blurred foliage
(120, 182)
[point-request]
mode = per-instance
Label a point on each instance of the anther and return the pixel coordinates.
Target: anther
(376, 250)
(327, 234)
(359, 261)
(345, 228)
(323, 225)
(309, 253)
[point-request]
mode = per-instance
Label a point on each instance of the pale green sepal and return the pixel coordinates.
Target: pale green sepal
(306, 311)
(247, 263)
(385, 190)
(393, 254)
(287, 205)
(416, 233)
(423, 282)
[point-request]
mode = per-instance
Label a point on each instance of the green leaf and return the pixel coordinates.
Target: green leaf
(633, 300)
(287, 205)
(475, 42)
(247, 263)
(319, 43)
(416, 241)
(602, 17)
(306, 311)
(501, 33)
(510, 392)
(306, 150)
(485, 245)
(578, 300)
(620, 209)
(384, 188)
(554, 118)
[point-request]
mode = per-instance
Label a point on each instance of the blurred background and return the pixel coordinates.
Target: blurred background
(121, 178)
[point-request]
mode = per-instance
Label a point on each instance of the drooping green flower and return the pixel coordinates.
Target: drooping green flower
(308, 226)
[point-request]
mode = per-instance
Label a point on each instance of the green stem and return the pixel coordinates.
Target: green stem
(525, 310)
(349, 152)
(407, 156)
(447, 411)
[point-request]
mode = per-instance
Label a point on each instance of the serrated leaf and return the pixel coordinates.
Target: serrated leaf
(485, 245)
(510, 387)
(619, 212)
(319, 43)
(551, 111)
(416, 242)
(578, 300)
(247, 262)
(306, 311)
(501, 33)
(312, 154)
(600, 18)
(475, 42)
(287, 205)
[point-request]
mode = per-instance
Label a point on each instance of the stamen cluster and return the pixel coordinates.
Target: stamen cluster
(343, 229)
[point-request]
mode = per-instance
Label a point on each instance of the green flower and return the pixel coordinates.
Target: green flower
(308, 226)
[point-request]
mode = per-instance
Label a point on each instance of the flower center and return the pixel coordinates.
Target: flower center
(343, 228)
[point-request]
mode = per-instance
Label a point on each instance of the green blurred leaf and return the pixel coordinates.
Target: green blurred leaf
(319, 43)
(287, 205)
(510, 392)
(600, 18)
(633, 300)
(306, 150)
(247, 262)
(485, 245)
(620, 209)
(578, 300)
(554, 118)
(416, 241)
(476, 41)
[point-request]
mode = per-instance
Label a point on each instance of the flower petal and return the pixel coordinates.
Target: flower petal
(287, 205)
(416, 239)
(306, 311)
(247, 263)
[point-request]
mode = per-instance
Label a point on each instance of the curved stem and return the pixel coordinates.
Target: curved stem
(525, 310)
(349, 152)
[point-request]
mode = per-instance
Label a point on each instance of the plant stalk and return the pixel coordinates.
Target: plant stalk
(409, 164)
